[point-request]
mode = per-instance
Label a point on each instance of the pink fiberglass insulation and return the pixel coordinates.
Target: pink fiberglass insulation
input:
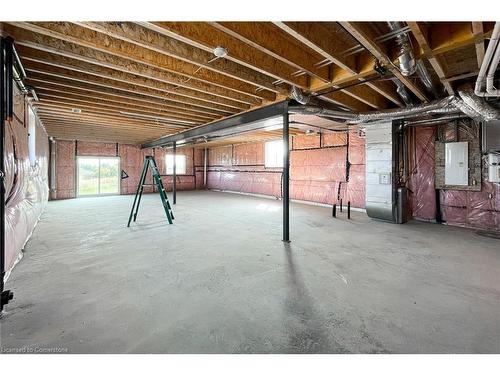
(65, 167)
(131, 162)
(26, 185)
(315, 172)
(84, 148)
(131, 159)
(422, 191)
(221, 156)
(303, 142)
(475, 209)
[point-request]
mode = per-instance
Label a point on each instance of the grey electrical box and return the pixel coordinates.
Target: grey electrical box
(491, 136)
(456, 169)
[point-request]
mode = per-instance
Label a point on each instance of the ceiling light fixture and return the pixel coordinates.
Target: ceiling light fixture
(220, 52)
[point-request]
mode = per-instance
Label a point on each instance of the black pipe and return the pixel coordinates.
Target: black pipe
(6, 109)
(2, 186)
(348, 209)
(174, 187)
(341, 205)
(286, 176)
(334, 210)
(9, 79)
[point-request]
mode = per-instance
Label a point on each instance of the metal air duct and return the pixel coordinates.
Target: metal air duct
(406, 58)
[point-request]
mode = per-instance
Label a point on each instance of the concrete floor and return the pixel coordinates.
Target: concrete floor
(221, 281)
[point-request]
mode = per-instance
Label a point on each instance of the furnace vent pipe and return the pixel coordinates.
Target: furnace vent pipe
(299, 96)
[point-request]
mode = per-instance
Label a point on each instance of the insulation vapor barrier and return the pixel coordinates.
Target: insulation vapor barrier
(467, 208)
(131, 161)
(319, 165)
(26, 185)
(422, 191)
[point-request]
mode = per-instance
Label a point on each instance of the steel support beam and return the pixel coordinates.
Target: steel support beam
(174, 184)
(247, 120)
(286, 176)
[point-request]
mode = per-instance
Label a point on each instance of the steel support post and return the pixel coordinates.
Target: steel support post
(174, 185)
(286, 177)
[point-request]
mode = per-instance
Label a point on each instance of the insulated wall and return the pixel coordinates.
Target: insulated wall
(26, 183)
(131, 160)
(478, 208)
(323, 168)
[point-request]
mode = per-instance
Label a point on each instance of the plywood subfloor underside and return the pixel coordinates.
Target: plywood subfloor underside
(221, 281)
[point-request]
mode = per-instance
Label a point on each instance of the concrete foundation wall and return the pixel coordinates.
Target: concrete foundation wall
(318, 169)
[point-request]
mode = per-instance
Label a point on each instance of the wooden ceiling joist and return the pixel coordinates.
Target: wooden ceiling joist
(125, 91)
(130, 70)
(55, 34)
(137, 81)
(357, 31)
(93, 103)
(206, 37)
(420, 33)
(85, 81)
(116, 97)
(182, 52)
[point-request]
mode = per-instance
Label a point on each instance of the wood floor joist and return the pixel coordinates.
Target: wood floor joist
(117, 97)
(137, 81)
(206, 37)
(68, 37)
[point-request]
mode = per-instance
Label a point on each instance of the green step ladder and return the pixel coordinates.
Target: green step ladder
(151, 163)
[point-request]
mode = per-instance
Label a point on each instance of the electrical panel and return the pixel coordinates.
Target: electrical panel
(494, 167)
(456, 171)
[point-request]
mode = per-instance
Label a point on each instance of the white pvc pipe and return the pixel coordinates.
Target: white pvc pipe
(490, 88)
(490, 51)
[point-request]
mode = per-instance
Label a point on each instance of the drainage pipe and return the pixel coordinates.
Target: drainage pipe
(479, 89)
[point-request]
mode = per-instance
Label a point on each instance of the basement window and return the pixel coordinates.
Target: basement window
(98, 175)
(274, 154)
(180, 164)
(32, 136)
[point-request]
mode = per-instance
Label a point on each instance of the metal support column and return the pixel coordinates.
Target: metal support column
(6, 112)
(286, 177)
(205, 169)
(174, 185)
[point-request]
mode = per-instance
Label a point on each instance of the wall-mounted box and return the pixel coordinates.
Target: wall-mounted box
(491, 136)
(456, 170)
(494, 167)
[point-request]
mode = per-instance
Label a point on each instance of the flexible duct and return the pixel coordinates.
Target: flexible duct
(299, 96)
(407, 61)
(479, 105)
(425, 77)
(486, 68)
(466, 103)
(402, 92)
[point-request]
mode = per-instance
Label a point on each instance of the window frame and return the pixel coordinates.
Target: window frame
(99, 194)
(277, 161)
(177, 172)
